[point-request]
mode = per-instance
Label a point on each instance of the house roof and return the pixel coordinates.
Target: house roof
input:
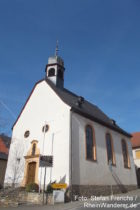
(6, 140)
(3, 156)
(86, 109)
(4, 146)
(135, 140)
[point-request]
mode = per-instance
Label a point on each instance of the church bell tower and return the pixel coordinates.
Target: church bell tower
(55, 69)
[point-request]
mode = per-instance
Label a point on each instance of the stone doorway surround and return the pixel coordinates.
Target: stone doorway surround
(31, 157)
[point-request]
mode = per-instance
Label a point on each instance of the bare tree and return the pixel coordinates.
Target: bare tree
(15, 167)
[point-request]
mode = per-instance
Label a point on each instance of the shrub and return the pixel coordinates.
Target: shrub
(32, 187)
(1, 187)
(49, 187)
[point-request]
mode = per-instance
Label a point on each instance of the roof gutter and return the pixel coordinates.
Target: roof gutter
(100, 122)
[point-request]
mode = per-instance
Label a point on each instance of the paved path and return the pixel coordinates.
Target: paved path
(127, 201)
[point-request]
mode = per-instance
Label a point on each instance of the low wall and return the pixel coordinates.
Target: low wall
(14, 199)
(89, 190)
(34, 198)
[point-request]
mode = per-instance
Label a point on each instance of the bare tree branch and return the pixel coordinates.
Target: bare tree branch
(15, 163)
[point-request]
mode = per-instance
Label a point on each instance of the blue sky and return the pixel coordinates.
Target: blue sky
(99, 41)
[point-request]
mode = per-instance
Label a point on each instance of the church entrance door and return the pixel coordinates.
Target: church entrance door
(31, 172)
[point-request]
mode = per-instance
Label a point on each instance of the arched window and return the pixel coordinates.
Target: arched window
(110, 150)
(51, 72)
(125, 154)
(33, 149)
(90, 143)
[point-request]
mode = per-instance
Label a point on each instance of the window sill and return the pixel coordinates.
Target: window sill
(114, 165)
(91, 160)
(127, 167)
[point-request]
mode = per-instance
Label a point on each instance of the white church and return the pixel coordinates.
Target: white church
(90, 151)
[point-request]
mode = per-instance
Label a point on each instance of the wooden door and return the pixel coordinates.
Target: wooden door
(31, 172)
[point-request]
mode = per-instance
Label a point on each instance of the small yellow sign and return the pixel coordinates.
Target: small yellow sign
(59, 186)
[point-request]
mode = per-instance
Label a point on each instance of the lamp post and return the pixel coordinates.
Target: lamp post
(44, 130)
(53, 135)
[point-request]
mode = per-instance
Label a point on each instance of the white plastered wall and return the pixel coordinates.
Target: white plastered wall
(43, 107)
(97, 173)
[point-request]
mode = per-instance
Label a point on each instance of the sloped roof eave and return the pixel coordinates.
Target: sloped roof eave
(91, 117)
(67, 100)
(27, 101)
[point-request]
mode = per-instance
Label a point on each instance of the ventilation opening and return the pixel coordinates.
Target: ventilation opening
(113, 121)
(51, 72)
(80, 101)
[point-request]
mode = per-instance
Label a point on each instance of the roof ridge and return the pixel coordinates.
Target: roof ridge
(87, 109)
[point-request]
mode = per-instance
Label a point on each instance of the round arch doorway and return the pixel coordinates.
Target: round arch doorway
(31, 172)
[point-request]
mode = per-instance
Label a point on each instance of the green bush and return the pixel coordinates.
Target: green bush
(49, 188)
(32, 187)
(1, 187)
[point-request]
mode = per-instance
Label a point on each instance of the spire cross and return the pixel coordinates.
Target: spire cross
(56, 49)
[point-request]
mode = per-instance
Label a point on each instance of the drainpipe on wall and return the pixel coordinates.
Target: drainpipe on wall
(42, 153)
(71, 193)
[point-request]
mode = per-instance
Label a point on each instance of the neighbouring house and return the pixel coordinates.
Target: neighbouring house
(90, 151)
(4, 150)
(136, 153)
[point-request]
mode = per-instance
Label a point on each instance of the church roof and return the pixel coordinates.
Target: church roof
(86, 109)
(135, 140)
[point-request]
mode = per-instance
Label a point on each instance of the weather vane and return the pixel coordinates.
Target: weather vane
(56, 49)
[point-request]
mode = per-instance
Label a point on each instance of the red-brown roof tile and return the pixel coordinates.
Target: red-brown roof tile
(3, 148)
(135, 140)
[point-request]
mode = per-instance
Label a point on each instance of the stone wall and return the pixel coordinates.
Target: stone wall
(16, 198)
(89, 190)
(34, 198)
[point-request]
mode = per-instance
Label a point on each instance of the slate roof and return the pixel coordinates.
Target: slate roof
(87, 109)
